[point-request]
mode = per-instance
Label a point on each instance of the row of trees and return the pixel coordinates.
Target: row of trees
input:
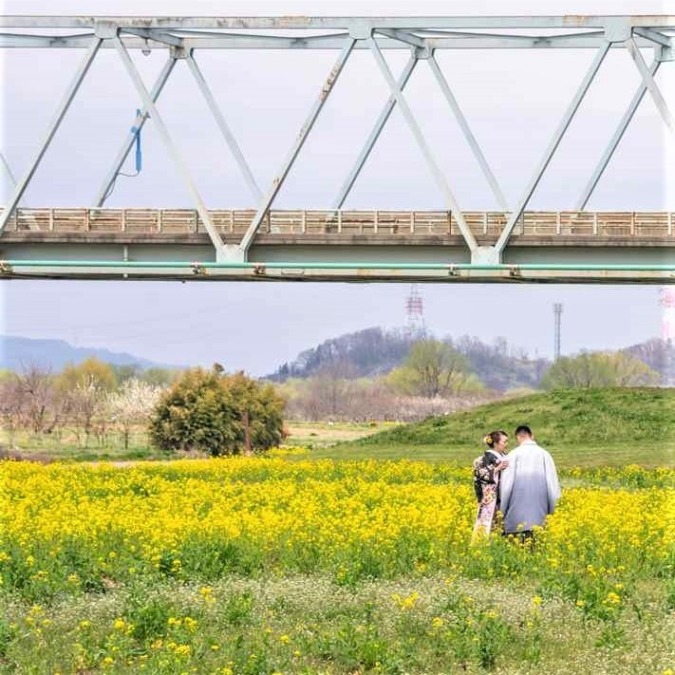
(613, 369)
(329, 397)
(433, 379)
(437, 378)
(209, 411)
(374, 352)
(231, 414)
(217, 413)
(88, 398)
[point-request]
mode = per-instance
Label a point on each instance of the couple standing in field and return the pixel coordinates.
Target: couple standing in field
(523, 485)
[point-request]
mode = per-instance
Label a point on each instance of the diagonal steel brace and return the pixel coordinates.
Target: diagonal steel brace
(139, 123)
(649, 82)
(615, 140)
(223, 126)
(424, 147)
(265, 204)
(51, 131)
(374, 135)
(171, 148)
(553, 146)
(468, 134)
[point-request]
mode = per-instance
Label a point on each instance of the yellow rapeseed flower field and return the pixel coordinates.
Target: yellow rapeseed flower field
(75, 526)
(281, 564)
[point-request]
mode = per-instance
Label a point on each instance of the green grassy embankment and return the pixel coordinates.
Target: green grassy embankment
(588, 427)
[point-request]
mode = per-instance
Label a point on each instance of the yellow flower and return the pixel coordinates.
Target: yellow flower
(183, 650)
(612, 598)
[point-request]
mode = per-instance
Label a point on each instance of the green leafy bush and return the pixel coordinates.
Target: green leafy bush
(217, 413)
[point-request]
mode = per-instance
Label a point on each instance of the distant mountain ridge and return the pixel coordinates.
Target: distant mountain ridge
(16, 352)
(375, 351)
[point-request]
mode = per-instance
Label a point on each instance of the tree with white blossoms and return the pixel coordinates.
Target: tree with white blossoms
(83, 389)
(132, 404)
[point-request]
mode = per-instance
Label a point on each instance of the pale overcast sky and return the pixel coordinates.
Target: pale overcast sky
(513, 101)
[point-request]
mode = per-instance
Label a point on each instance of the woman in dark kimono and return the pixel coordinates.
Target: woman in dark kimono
(486, 470)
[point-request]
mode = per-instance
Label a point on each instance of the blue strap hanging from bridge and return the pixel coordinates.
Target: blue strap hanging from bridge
(136, 131)
(139, 152)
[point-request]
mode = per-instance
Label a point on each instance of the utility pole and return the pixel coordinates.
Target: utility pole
(557, 312)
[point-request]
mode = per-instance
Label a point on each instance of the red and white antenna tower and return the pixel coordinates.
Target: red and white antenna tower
(668, 316)
(414, 309)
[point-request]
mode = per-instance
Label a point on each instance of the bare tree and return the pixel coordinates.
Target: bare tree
(329, 390)
(11, 407)
(36, 387)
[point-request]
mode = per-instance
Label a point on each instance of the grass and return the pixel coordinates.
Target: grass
(310, 625)
(565, 457)
(588, 428)
(594, 427)
(68, 445)
(324, 434)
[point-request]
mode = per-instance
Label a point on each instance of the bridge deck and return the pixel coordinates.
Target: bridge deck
(546, 246)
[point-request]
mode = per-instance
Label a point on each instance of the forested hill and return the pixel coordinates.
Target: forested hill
(500, 366)
(375, 351)
(366, 353)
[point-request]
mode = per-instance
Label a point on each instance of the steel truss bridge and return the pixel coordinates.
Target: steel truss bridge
(512, 244)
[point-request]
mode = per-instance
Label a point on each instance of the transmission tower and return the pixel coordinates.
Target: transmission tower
(414, 309)
(557, 313)
(668, 334)
(668, 316)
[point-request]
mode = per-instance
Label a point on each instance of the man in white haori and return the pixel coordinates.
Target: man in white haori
(529, 486)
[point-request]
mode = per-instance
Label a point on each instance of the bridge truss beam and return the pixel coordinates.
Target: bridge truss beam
(423, 36)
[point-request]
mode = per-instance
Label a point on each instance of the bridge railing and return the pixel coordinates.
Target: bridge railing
(642, 224)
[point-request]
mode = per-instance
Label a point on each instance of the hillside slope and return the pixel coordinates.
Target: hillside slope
(590, 417)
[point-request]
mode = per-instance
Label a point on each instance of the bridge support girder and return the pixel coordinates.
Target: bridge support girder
(181, 36)
(486, 255)
(230, 253)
